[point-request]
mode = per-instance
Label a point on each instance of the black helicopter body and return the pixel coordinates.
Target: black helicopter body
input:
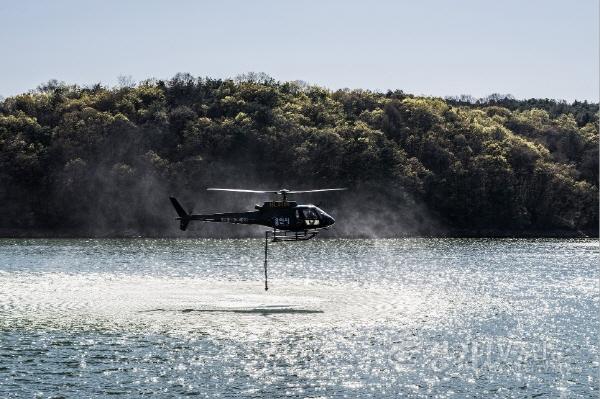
(279, 215)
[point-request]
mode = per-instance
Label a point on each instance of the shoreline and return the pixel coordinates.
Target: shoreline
(483, 233)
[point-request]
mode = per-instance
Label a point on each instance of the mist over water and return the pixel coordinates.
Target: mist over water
(342, 318)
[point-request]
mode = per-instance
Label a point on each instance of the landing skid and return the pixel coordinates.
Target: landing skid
(283, 235)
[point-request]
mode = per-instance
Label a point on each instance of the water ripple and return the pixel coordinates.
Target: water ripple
(343, 318)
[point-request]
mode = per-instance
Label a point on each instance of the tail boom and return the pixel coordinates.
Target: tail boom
(231, 217)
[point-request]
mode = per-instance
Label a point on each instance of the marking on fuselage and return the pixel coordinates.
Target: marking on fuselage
(235, 220)
(281, 221)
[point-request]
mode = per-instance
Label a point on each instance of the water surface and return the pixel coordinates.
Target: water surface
(342, 318)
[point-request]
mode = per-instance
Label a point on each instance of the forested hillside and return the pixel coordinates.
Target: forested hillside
(102, 161)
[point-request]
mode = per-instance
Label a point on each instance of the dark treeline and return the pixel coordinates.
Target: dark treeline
(102, 161)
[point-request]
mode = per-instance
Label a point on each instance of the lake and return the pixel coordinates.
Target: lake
(342, 318)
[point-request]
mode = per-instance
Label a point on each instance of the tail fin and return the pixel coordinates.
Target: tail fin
(184, 217)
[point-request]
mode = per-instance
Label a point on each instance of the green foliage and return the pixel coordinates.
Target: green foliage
(71, 156)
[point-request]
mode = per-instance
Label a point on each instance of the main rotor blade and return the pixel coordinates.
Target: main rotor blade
(280, 192)
(316, 191)
(236, 190)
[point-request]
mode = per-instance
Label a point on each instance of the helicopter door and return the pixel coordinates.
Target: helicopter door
(311, 218)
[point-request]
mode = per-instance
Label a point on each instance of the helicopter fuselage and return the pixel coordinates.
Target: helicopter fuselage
(280, 215)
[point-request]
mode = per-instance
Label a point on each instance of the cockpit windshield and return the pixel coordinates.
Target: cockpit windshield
(310, 214)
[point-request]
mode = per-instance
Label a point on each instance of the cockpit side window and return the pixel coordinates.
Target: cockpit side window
(310, 214)
(311, 217)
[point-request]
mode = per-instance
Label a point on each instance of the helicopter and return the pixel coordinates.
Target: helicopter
(289, 221)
